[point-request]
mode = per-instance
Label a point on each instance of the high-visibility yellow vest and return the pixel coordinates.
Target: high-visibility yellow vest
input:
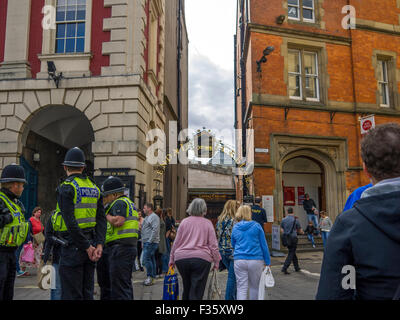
(130, 228)
(87, 194)
(13, 234)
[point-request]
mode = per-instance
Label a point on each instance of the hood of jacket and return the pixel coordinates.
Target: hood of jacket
(245, 225)
(383, 211)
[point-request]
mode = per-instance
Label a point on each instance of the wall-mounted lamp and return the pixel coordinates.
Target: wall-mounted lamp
(36, 157)
(51, 69)
(280, 19)
(263, 59)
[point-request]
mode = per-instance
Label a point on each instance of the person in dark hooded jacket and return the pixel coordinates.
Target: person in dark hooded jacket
(362, 259)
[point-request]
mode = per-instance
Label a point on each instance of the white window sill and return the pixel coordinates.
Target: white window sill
(70, 64)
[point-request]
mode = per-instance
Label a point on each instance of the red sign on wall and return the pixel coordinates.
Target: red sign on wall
(300, 195)
(289, 196)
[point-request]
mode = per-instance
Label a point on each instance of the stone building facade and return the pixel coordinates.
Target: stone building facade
(112, 56)
(305, 101)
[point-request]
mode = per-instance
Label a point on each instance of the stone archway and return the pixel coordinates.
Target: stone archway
(44, 140)
(330, 153)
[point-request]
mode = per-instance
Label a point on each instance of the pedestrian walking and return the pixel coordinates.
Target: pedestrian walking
(325, 226)
(52, 249)
(258, 214)
(13, 227)
(83, 226)
(138, 260)
(309, 231)
(150, 240)
(115, 269)
(311, 209)
(38, 240)
(194, 249)
(251, 254)
(224, 234)
(366, 238)
(355, 196)
(170, 227)
(290, 226)
(162, 246)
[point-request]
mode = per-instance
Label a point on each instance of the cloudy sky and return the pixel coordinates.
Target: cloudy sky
(211, 26)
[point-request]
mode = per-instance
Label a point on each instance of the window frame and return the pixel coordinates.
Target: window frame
(300, 7)
(66, 22)
(297, 74)
(383, 63)
(304, 76)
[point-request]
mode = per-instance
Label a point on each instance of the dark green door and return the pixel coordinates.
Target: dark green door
(29, 196)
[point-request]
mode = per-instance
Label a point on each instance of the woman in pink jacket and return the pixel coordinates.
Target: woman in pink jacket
(194, 249)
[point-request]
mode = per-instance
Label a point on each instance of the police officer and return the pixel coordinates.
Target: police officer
(258, 214)
(115, 269)
(13, 227)
(83, 226)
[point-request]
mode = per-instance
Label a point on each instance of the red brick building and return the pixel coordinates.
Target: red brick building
(305, 101)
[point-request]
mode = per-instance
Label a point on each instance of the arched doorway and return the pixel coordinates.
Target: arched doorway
(301, 175)
(45, 140)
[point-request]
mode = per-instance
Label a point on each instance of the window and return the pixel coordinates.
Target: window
(71, 25)
(383, 81)
(303, 75)
(301, 10)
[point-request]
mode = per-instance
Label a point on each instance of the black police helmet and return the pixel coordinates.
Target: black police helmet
(74, 158)
(112, 185)
(13, 173)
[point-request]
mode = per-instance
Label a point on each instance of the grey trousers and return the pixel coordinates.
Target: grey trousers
(248, 274)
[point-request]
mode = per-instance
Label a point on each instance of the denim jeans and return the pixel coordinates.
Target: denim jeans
(149, 258)
(227, 260)
(55, 294)
(325, 235)
(314, 219)
(311, 238)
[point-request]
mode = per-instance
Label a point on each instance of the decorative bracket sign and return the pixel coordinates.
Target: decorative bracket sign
(123, 174)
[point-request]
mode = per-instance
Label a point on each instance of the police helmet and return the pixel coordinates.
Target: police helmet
(112, 185)
(13, 173)
(74, 158)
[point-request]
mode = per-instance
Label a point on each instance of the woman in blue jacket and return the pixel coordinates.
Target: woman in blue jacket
(251, 254)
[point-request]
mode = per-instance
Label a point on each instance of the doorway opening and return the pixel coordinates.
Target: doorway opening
(46, 139)
(302, 175)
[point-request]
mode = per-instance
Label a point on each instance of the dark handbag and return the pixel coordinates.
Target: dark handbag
(288, 239)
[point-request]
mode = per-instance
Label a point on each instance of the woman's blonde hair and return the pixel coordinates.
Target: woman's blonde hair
(229, 210)
(243, 213)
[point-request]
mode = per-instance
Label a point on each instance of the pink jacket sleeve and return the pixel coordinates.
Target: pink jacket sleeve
(177, 243)
(213, 244)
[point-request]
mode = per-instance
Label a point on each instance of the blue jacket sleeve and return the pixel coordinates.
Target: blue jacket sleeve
(264, 247)
(338, 253)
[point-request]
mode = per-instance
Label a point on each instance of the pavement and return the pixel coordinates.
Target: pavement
(295, 286)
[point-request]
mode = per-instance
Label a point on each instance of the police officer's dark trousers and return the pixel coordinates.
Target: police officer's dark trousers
(76, 274)
(121, 260)
(103, 276)
(7, 275)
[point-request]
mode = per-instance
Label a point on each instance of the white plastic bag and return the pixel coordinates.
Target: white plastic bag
(266, 281)
(214, 291)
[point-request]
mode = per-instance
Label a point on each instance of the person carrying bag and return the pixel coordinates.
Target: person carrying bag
(288, 239)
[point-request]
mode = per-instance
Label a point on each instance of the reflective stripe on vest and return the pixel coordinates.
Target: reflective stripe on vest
(130, 228)
(14, 233)
(86, 197)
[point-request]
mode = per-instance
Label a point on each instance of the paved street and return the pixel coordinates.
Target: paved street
(296, 286)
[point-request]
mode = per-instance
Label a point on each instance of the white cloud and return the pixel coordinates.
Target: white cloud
(211, 26)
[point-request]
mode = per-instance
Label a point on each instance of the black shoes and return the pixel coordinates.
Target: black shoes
(298, 270)
(285, 271)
